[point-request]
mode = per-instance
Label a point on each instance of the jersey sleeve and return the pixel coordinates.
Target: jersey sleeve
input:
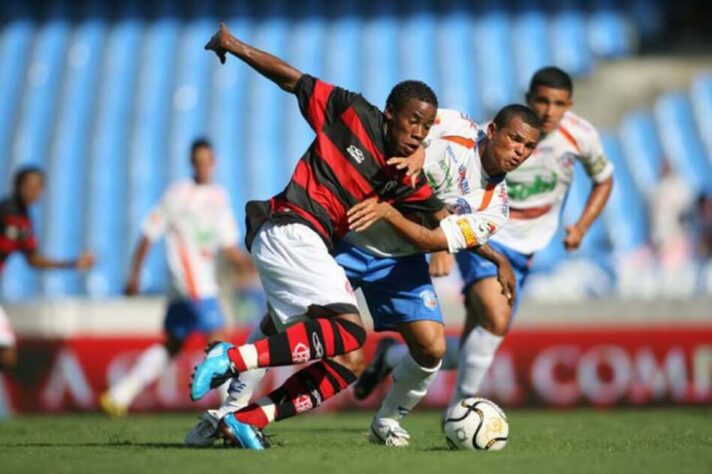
(593, 157)
(450, 122)
(474, 228)
(156, 223)
(29, 241)
(321, 103)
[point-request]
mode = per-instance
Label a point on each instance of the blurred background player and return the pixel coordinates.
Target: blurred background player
(291, 235)
(537, 191)
(196, 218)
(16, 235)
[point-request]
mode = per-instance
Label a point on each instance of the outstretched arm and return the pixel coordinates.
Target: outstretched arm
(273, 68)
(83, 262)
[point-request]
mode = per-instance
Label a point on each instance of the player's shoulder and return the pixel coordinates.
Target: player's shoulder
(452, 115)
(579, 129)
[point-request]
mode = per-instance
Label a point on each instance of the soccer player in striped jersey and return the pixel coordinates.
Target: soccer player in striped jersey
(537, 191)
(17, 235)
(465, 168)
(195, 217)
(291, 235)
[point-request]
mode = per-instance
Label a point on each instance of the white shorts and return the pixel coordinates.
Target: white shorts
(7, 336)
(298, 271)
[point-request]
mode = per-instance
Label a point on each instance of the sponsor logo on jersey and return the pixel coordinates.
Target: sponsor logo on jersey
(303, 403)
(461, 206)
(540, 185)
(467, 232)
(429, 299)
(355, 153)
(464, 184)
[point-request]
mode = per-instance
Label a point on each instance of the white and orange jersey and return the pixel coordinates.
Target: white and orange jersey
(197, 221)
(537, 188)
(478, 202)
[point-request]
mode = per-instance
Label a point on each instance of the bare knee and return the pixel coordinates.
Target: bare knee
(496, 322)
(487, 308)
(430, 354)
(354, 361)
(426, 342)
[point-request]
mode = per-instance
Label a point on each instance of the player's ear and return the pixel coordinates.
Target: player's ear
(389, 113)
(491, 130)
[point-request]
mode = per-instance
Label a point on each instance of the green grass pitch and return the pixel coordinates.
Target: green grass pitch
(636, 441)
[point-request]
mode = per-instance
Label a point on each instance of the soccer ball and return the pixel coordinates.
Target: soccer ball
(476, 424)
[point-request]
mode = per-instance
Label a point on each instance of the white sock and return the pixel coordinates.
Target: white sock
(476, 356)
(150, 365)
(394, 355)
(452, 353)
(241, 388)
(410, 384)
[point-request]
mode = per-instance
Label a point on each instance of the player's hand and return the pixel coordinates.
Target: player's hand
(131, 287)
(413, 164)
(85, 261)
(218, 43)
(365, 213)
(441, 264)
(574, 236)
(505, 276)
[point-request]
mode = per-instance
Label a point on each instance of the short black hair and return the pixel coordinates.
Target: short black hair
(553, 77)
(406, 90)
(197, 144)
(507, 113)
(22, 174)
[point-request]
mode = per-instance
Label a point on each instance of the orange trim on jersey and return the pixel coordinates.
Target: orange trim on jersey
(187, 269)
(466, 142)
(487, 198)
(530, 213)
(567, 135)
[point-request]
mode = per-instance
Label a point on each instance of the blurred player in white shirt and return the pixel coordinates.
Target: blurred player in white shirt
(196, 219)
(537, 191)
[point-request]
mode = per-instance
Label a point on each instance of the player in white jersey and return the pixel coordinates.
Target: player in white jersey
(465, 167)
(537, 191)
(197, 221)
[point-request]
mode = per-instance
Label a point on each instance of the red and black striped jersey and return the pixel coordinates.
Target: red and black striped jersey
(345, 164)
(15, 229)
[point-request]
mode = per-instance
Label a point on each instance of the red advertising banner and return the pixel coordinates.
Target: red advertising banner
(534, 367)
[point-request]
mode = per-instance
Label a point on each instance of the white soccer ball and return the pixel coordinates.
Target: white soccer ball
(476, 424)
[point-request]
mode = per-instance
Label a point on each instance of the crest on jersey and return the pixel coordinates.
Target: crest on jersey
(355, 153)
(429, 299)
(461, 206)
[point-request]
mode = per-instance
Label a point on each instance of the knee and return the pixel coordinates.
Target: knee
(428, 352)
(497, 322)
(354, 361)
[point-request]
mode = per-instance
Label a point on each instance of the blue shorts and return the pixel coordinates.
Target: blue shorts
(186, 316)
(474, 268)
(397, 290)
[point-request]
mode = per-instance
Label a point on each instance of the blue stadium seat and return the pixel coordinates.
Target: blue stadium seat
(147, 170)
(266, 172)
(609, 34)
(625, 215)
(65, 203)
(681, 142)
(455, 59)
(569, 38)
(380, 65)
(530, 41)
(701, 95)
(642, 151)
(108, 181)
(34, 129)
(417, 37)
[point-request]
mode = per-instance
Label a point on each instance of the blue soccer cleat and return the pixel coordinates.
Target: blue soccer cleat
(215, 369)
(241, 435)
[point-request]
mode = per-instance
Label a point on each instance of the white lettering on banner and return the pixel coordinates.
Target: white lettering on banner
(604, 389)
(67, 377)
(166, 388)
(501, 381)
(649, 379)
(544, 380)
(702, 372)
